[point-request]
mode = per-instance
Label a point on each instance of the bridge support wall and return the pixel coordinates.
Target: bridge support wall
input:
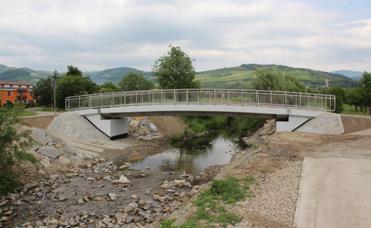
(292, 124)
(113, 128)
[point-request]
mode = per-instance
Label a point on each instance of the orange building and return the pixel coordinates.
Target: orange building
(16, 92)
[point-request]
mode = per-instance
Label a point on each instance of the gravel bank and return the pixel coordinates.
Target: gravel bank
(274, 200)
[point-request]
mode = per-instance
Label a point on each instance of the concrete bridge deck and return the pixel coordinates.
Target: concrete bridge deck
(107, 110)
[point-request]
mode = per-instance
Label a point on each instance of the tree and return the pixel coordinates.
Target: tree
(72, 70)
(340, 98)
(275, 80)
(365, 86)
(135, 81)
(72, 85)
(43, 91)
(108, 87)
(354, 97)
(12, 146)
(175, 70)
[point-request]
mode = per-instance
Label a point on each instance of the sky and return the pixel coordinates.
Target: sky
(98, 34)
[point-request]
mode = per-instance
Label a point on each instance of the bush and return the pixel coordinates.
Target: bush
(12, 146)
(229, 190)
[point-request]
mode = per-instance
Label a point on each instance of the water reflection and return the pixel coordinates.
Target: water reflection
(218, 152)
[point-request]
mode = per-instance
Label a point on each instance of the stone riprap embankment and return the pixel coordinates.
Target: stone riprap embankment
(98, 193)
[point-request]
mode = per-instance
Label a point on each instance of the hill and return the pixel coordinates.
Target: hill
(356, 75)
(21, 74)
(233, 77)
(244, 76)
(100, 77)
(114, 75)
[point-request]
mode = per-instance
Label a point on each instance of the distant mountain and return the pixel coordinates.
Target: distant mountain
(114, 75)
(21, 74)
(4, 68)
(100, 77)
(356, 75)
(244, 76)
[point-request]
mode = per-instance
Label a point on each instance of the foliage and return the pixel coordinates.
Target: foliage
(43, 91)
(229, 190)
(72, 70)
(175, 70)
(351, 110)
(135, 81)
(108, 87)
(276, 80)
(202, 130)
(365, 88)
(12, 146)
(354, 97)
(340, 97)
(72, 84)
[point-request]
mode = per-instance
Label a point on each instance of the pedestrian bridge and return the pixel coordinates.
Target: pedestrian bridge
(109, 111)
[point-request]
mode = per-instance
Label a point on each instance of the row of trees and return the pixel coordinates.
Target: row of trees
(173, 70)
(359, 97)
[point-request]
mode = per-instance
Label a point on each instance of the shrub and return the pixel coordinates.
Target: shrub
(229, 190)
(12, 146)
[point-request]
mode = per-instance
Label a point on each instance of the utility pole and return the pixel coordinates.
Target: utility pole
(54, 88)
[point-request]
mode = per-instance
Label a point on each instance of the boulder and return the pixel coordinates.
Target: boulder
(39, 136)
(49, 151)
(122, 180)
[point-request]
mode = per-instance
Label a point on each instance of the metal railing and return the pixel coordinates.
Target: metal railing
(308, 101)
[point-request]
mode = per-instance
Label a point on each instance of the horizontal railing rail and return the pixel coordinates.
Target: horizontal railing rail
(309, 101)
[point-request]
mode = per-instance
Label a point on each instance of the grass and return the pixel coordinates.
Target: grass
(27, 113)
(211, 203)
(351, 110)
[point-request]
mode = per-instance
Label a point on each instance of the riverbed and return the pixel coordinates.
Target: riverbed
(91, 193)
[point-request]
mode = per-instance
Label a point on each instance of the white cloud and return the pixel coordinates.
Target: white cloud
(106, 33)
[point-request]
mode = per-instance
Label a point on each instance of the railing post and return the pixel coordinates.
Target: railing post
(174, 96)
(101, 100)
(214, 100)
(271, 98)
(257, 97)
(187, 94)
(228, 97)
(242, 97)
(334, 107)
(285, 94)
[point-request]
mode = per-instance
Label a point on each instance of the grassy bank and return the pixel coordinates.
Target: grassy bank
(211, 205)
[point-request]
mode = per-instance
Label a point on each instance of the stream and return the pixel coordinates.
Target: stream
(219, 152)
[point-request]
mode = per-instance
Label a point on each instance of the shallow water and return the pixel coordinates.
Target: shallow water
(219, 153)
